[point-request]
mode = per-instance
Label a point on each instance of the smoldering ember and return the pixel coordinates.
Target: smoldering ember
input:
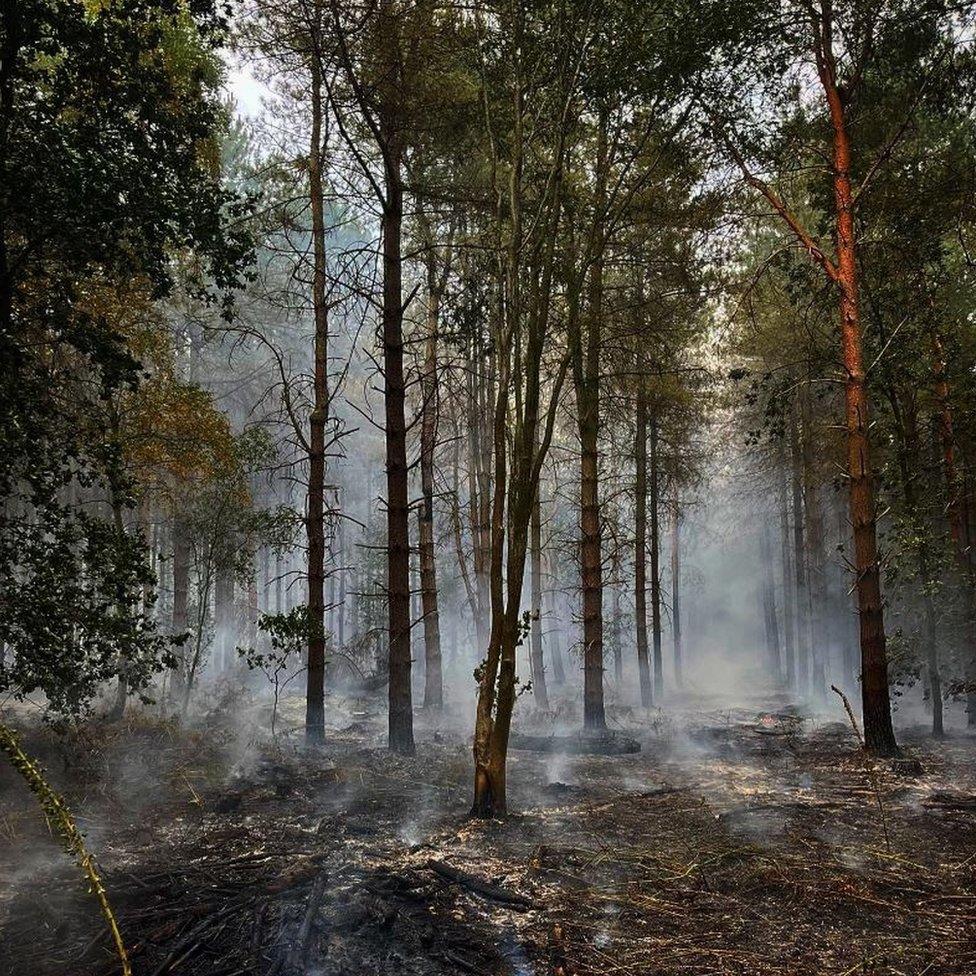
(487, 488)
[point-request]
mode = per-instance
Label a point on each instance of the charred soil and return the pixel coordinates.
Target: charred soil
(749, 841)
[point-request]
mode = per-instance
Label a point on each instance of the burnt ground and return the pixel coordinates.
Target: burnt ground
(738, 841)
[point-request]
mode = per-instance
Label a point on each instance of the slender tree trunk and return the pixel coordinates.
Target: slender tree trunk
(789, 612)
(799, 556)
(433, 680)
(252, 612)
(181, 593)
(618, 658)
(224, 613)
(536, 659)
(479, 489)
(676, 588)
(640, 541)
(815, 542)
(315, 512)
(555, 652)
(656, 562)
(769, 602)
(398, 540)
(587, 375)
(341, 634)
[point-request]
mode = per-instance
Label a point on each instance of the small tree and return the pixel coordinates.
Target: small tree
(287, 634)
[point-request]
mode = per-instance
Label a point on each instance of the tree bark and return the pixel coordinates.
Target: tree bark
(676, 588)
(799, 556)
(587, 377)
(398, 542)
(640, 541)
(555, 652)
(315, 512)
(433, 680)
(879, 735)
(789, 611)
(536, 659)
(815, 550)
(656, 562)
(769, 601)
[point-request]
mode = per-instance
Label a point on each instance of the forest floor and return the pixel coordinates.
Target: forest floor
(738, 841)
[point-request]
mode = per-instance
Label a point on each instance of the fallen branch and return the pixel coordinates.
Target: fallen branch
(479, 887)
(608, 744)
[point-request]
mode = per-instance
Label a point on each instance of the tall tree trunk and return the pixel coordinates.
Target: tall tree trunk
(587, 377)
(799, 558)
(656, 562)
(592, 566)
(315, 513)
(433, 680)
(879, 735)
(789, 612)
(341, 634)
(815, 550)
(676, 588)
(398, 540)
(479, 486)
(640, 540)
(769, 601)
(555, 652)
(618, 657)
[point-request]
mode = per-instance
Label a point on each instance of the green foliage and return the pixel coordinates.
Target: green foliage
(107, 115)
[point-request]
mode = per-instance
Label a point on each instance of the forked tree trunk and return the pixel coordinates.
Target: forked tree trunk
(640, 541)
(656, 562)
(315, 513)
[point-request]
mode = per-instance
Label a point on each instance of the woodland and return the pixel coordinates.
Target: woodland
(487, 487)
